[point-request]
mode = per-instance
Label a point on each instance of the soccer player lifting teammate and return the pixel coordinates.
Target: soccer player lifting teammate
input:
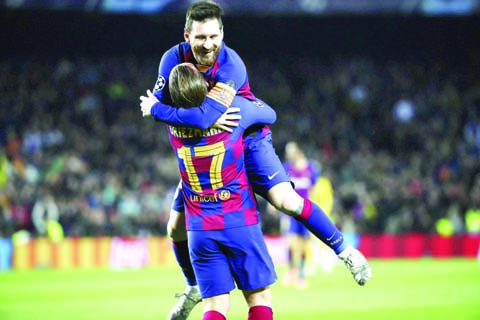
(225, 239)
(204, 47)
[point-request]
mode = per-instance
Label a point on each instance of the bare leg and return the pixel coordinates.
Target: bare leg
(259, 303)
(220, 303)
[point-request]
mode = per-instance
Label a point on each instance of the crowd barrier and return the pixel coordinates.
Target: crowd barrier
(416, 245)
(133, 253)
(116, 253)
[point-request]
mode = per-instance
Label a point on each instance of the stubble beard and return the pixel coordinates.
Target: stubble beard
(205, 60)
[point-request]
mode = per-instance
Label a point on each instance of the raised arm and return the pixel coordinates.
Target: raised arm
(221, 95)
(202, 117)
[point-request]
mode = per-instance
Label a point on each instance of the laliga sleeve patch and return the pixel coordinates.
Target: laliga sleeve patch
(159, 84)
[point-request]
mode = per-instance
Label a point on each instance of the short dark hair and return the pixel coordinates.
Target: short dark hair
(187, 86)
(202, 10)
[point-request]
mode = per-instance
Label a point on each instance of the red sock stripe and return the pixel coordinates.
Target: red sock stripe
(213, 315)
(260, 313)
(307, 209)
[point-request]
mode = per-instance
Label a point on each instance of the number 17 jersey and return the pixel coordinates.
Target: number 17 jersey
(215, 186)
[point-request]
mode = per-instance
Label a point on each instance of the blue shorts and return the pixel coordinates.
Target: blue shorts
(297, 228)
(264, 168)
(223, 258)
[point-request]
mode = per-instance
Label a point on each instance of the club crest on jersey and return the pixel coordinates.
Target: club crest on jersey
(159, 84)
(224, 195)
(259, 103)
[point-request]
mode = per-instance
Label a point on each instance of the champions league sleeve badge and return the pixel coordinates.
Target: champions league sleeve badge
(159, 84)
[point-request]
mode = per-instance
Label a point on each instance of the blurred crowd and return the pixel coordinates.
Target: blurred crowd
(399, 138)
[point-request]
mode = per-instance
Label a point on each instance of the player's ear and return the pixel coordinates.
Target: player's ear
(186, 35)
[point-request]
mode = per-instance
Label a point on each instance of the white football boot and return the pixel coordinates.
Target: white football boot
(186, 302)
(357, 264)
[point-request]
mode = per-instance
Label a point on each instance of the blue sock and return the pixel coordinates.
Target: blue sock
(318, 223)
(180, 248)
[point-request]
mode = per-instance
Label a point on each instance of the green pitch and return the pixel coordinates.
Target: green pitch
(401, 289)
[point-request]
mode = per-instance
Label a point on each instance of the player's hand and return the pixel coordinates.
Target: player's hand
(228, 120)
(147, 103)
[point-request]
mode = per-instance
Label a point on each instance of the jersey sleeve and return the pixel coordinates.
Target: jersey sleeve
(169, 60)
(233, 71)
(201, 117)
(216, 103)
(254, 112)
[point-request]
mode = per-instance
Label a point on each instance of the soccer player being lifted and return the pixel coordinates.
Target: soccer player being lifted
(226, 243)
(204, 47)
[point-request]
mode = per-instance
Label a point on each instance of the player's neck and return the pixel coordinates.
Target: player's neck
(202, 68)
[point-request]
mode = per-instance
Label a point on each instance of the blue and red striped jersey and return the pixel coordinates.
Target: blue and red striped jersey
(211, 162)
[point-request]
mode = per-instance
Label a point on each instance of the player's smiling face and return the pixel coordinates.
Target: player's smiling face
(205, 38)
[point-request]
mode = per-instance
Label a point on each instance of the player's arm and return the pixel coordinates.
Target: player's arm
(254, 112)
(225, 122)
(204, 116)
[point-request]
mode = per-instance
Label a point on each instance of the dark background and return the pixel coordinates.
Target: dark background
(51, 34)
